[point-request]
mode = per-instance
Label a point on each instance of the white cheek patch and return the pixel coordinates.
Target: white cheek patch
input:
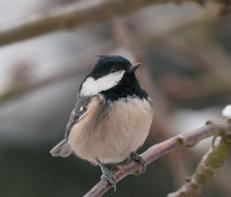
(93, 86)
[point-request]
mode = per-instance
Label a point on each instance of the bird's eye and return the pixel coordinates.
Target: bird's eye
(113, 70)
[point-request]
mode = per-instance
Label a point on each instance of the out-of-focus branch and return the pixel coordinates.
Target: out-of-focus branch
(125, 36)
(78, 67)
(73, 15)
(16, 90)
(158, 150)
(205, 170)
(208, 55)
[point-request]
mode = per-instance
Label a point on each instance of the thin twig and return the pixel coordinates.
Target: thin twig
(158, 150)
(73, 15)
(205, 170)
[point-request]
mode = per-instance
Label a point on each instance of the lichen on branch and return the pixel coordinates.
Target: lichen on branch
(205, 169)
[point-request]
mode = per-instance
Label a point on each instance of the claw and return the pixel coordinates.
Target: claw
(137, 158)
(107, 174)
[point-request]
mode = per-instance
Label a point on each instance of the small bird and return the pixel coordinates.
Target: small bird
(111, 118)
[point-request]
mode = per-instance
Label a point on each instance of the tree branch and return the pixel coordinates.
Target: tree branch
(158, 150)
(205, 170)
(74, 15)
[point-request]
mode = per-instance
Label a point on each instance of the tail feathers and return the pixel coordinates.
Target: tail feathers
(62, 149)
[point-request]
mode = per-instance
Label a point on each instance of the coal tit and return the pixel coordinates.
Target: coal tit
(111, 118)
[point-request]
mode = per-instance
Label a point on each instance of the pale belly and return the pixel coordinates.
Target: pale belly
(112, 139)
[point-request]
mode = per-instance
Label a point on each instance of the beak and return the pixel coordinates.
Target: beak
(134, 67)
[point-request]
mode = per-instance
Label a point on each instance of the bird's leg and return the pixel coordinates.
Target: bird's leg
(137, 158)
(107, 174)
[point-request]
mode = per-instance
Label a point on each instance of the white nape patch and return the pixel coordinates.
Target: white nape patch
(227, 111)
(92, 87)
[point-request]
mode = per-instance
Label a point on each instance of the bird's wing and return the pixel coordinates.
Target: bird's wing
(82, 107)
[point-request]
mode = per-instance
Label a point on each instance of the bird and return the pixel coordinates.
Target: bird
(111, 118)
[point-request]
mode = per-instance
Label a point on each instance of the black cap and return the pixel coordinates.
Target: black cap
(109, 63)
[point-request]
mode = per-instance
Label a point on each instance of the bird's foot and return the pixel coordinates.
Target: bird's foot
(107, 174)
(137, 158)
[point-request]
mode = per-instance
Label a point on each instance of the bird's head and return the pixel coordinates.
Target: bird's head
(109, 70)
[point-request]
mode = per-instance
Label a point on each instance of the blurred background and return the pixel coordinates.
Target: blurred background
(185, 51)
